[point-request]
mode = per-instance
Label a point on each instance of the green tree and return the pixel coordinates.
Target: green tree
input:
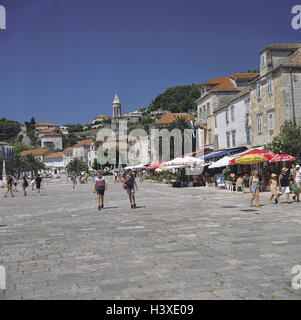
(288, 141)
(9, 129)
(176, 99)
(33, 164)
(76, 165)
(96, 166)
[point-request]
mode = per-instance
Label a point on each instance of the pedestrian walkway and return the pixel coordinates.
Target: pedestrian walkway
(180, 243)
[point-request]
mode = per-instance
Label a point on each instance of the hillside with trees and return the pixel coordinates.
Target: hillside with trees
(177, 99)
(9, 129)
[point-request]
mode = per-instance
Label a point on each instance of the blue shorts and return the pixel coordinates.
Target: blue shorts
(253, 189)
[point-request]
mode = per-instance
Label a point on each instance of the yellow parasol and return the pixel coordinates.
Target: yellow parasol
(251, 159)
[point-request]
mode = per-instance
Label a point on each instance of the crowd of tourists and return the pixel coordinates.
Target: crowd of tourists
(287, 183)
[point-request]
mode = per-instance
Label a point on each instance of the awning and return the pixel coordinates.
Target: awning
(221, 153)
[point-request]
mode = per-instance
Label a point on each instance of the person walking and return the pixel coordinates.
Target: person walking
(15, 183)
(254, 184)
(73, 179)
(9, 186)
(38, 182)
(100, 186)
(24, 185)
(297, 180)
(284, 183)
(273, 184)
(86, 178)
(130, 184)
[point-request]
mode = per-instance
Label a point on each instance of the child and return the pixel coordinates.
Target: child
(273, 188)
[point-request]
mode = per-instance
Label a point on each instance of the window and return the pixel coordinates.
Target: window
(248, 133)
(228, 139)
(227, 116)
(270, 86)
(262, 60)
(232, 114)
(208, 109)
(209, 137)
(248, 107)
(258, 91)
(271, 121)
(216, 142)
(233, 138)
(215, 121)
(259, 124)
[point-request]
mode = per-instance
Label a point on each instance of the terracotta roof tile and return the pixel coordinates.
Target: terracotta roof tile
(281, 46)
(294, 60)
(244, 76)
(221, 84)
(35, 152)
(52, 134)
(86, 142)
(68, 149)
(102, 116)
(44, 124)
(172, 117)
(54, 155)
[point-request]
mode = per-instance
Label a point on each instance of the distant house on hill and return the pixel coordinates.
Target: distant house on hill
(99, 118)
(44, 126)
(52, 140)
(81, 149)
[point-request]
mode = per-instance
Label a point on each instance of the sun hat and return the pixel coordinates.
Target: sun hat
(298, 166)
(274, 175)
(284, 169)
(232, 175)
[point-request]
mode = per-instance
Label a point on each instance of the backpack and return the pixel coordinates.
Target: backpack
(25, 183)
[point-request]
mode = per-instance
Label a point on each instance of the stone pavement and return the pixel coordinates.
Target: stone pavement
(186, 243)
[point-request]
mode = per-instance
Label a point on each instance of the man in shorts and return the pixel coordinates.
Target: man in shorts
(100, 186)
(38, 182)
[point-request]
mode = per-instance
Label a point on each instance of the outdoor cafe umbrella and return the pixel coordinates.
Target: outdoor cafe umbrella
(221, 163)
(186, 161)
(251, 159)
(253, 156)
(282, 158)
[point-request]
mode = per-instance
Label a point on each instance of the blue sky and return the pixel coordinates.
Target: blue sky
(61, 61)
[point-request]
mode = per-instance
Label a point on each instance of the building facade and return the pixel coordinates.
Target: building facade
(276, 94)
(215, 94)
(232, 122)
(52, 140)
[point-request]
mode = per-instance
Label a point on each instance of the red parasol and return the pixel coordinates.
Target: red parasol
(282, 158)
(268, 154)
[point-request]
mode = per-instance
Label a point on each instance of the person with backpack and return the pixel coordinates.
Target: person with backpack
(129, 185)
(100, 186)
(24, 185)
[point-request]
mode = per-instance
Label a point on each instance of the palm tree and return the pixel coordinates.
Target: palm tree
(16, 165)
(77, 165)
(33, 164)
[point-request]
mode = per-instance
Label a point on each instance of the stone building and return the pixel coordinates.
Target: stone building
(52, 140)
(233, 123)
(54, 162)
(67, 156)
(215, 94)
(81, 149)
(276, 94)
